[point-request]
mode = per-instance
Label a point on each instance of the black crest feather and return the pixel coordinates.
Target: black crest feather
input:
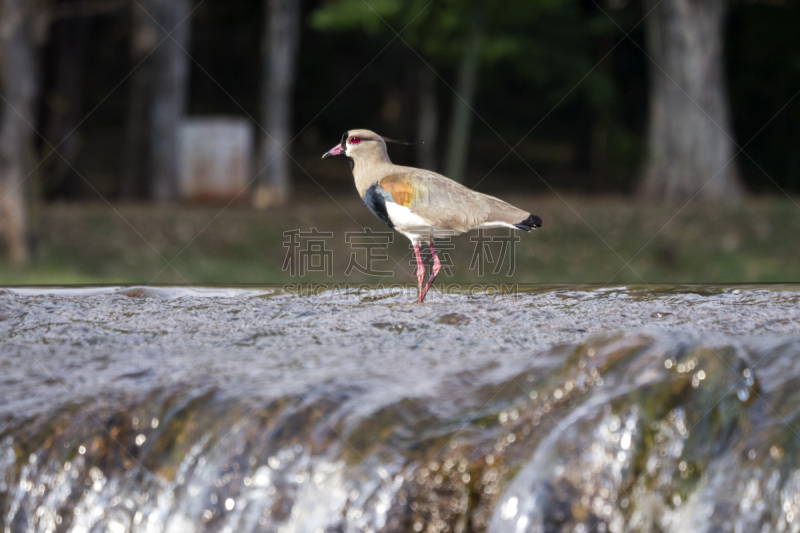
(388, 140)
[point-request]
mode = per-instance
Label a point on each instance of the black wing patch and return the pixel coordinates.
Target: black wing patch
(377, 204)
(532, 222)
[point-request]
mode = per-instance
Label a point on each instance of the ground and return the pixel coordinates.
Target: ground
(564, 409)
(584, 240)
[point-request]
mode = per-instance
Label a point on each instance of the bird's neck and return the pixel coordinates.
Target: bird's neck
(367, 172)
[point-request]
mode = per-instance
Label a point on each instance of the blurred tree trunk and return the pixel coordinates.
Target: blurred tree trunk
(170, 84)
(428, 120)
(144, 37)
(70, 37)
(19, 86)
(461, 119)
(279, 54)
(600, 113)
(688, 151)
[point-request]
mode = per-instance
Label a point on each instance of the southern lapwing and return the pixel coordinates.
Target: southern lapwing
(419, 203)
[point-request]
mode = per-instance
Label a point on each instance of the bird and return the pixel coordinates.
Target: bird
(421, 204)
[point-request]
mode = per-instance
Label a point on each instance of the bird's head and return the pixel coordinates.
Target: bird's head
(361, 145)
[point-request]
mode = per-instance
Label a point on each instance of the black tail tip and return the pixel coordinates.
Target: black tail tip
(532, 222)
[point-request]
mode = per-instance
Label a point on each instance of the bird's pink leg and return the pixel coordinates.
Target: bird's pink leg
(420, 272)
(437, 266)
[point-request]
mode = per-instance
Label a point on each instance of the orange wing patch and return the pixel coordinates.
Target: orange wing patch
(401, 189)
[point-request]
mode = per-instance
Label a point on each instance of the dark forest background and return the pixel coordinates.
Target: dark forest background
(574, 86)
(595, 138)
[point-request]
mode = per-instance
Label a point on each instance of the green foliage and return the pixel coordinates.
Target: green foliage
(514, 28)
(547, 43)
(435, 28)
(343, 15)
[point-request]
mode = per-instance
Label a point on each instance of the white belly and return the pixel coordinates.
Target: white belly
(403, 219)
(409, 224)
(498, 225)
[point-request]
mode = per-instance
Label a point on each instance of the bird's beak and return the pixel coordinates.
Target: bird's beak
(336, 150)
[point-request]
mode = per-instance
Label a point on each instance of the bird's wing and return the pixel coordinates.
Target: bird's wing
(445, 203)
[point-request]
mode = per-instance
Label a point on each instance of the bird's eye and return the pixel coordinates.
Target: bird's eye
(355, 140)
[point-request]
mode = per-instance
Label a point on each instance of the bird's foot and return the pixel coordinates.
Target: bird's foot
(420, 274)
(437, 265)
(422, 290)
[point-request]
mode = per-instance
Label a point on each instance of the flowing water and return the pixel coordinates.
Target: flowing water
(577, 409)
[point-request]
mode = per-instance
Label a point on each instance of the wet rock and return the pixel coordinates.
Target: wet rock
(10, 314)
(394, 328)
(569, 415)
(135, 293)
(453, 319)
